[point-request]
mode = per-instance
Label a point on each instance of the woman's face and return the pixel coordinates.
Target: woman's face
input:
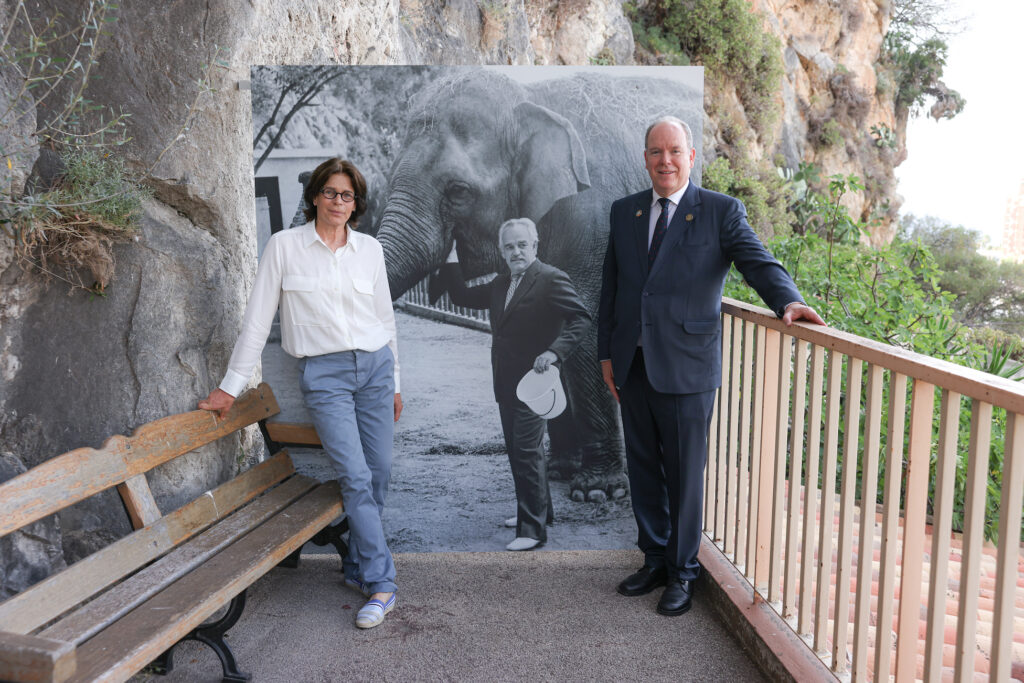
(334, 213)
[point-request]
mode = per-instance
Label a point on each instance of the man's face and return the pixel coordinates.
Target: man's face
(518, 248)
(668, 158)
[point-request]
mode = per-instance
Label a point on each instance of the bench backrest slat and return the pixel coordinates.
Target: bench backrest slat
(83, 472)
(48, 599)
(293, 433)
(138, 501)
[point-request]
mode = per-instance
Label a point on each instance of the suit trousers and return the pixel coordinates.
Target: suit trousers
(524, 440)
(666, 450)
(351, 397)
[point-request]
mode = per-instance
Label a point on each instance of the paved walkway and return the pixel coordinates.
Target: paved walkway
(472, 617)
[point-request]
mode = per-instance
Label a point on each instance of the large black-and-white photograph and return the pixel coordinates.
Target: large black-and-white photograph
(489, 190)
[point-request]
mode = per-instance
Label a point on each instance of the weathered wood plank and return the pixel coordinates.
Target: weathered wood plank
(293, 433)
(83, 472)
(133, 591)
(138, 500)
(53, 596)
(138, 637)
(27, 659)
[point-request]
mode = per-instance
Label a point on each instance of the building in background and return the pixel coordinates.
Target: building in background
(1013, 227)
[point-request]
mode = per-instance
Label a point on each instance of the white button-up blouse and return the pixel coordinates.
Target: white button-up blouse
(330, 301)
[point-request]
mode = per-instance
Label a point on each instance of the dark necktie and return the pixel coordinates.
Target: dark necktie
(512, 288)
(660, 228)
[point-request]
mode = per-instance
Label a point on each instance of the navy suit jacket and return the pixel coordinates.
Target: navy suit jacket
(675, 309)
(545, 314)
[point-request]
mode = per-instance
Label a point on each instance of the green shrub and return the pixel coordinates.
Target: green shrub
(758, 186)
(726, 37)
(68, 231)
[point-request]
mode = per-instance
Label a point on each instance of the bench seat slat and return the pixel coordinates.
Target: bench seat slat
(31, 658)
(145, 632)
(53, 596)
(74, 476)
(91, 618)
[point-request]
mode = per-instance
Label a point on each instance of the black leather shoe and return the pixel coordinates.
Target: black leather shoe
(643, 581)
(677, 598)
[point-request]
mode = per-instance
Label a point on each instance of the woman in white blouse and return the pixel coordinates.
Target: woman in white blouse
(336, 317)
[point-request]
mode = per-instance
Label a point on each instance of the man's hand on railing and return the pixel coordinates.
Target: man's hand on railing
(798, 311)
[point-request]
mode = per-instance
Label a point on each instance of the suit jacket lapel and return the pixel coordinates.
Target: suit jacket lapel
(524, 286)
(684, 219)
(642, 227)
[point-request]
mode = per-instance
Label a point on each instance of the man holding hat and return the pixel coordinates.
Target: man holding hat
(536, 319)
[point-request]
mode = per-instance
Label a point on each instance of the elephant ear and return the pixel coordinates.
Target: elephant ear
(549, 161)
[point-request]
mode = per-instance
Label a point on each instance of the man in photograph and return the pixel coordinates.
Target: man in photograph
(536, 319)
(659, 344)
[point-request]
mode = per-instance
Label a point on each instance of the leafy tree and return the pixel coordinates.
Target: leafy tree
(988, 292)
(915, 48)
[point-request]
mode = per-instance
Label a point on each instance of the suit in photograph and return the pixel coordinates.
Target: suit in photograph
(544, 314)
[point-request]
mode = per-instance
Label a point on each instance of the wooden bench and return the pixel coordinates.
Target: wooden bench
(111, 614)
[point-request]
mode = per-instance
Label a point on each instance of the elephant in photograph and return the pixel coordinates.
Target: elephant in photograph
(481, 148)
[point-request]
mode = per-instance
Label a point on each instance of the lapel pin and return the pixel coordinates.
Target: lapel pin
(639, 212)
(689, 216)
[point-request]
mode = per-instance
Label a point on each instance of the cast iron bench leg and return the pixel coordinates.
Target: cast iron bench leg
(328, 535)
(212, 634)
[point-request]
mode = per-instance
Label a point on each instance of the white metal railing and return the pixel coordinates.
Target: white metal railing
(804, 408)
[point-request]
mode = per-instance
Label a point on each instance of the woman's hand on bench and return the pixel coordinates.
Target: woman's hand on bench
(219, 401)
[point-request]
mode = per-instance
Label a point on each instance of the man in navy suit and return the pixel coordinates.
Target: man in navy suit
(659, 341)
(536, 319)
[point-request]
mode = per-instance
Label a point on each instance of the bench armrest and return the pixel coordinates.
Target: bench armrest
(27, 659)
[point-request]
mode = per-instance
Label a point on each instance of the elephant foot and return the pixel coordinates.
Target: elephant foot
(598, 487)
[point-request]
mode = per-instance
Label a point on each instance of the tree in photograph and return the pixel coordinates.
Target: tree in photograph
(284, 92)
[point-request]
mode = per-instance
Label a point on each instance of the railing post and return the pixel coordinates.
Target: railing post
(833, 398)
(922, 407)
(868, 496)
(974, 524)
(766, 470)
(846, 500)
(1009, 547)
(942, 513)
(890, 525)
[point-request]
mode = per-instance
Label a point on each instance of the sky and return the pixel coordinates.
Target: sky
(964, 170)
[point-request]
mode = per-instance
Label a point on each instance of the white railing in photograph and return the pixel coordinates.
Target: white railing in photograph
(417, 300)
(813, 427)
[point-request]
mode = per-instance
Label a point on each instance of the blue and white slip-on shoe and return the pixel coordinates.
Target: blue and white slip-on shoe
(372, 613)
(358, 586)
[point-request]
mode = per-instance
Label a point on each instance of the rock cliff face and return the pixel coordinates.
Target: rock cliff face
(74, 369)
(834, 91)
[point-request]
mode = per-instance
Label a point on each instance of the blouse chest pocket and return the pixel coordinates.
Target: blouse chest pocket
(362, 286)
(301, 299)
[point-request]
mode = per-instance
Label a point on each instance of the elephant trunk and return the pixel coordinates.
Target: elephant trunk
(413, 246)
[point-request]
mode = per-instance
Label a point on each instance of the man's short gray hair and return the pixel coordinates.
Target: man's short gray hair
(671, 119)
(525, 222)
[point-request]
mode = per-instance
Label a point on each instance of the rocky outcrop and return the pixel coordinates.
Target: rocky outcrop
(75, 369)
(832, 97)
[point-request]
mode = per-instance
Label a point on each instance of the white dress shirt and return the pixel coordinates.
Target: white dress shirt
(673, 203)
(330, 301)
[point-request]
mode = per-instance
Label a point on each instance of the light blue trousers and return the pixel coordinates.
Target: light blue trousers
(350, 395)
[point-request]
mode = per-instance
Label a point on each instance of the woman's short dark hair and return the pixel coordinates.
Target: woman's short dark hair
(322, 173)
